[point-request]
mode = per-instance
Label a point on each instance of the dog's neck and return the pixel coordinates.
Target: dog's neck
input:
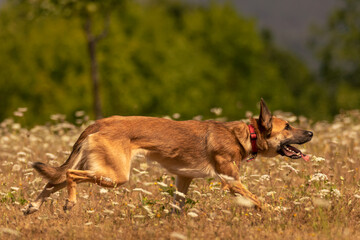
(242, 133)
(261, 142)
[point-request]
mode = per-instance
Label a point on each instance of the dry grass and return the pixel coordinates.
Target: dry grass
(315, 200)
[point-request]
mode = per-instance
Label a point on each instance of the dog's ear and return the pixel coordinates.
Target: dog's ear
(265, 118)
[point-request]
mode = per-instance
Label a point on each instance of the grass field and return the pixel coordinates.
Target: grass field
(304, 200)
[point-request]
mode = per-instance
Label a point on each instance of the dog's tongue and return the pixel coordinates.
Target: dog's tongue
(305, 157)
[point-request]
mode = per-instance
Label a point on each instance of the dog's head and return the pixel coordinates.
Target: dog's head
(277, 135)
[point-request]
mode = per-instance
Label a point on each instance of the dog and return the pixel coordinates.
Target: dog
(188, 149)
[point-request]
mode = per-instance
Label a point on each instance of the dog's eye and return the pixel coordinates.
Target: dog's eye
(287, 127)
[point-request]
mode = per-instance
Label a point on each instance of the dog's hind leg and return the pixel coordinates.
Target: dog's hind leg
(46, 192)
(78, 176)
(182, 185)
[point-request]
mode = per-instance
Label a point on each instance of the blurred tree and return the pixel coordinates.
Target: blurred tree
(88, 11)
(337, 46)
(160, 57)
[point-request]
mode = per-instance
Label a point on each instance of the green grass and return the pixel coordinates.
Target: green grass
(303, 200)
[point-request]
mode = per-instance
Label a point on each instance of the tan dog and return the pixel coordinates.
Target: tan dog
(188, 149)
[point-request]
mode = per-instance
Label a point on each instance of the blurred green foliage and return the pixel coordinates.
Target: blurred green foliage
(159, 58)
(337, 46)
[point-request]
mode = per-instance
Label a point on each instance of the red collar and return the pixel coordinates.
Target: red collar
(253, 138)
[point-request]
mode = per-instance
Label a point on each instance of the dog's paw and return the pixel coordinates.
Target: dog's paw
(68, 205)
(258, 207)
(29, 209)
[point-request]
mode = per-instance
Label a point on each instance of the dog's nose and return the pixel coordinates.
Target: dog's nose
(310, 134)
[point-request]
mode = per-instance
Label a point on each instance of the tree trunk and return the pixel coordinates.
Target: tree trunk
(94, 72)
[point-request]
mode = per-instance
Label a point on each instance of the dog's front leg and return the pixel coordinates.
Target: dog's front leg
(228, 173)
(238, 188)
(182, 186)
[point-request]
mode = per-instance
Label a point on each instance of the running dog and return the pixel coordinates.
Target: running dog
(189, 149)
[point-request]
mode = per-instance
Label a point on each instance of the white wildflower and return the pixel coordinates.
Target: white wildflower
(50, 156)
(216, 111)
(79, 113)
(54, 163)
(108, 211)
(317, 177)
(292, 119)
(176, 115)
(317, 159)
(139, 172)
(175, 206)
(21, 157)
(194, 210)
(16, 126)
(66, 153)
(309, 208)
(6, 163)
(161, 184)
(281, 209)
(180, 194)
(16, 168)
(58, 117)
(85, 196)
(144, 166)
(198, 118)
(5, 139)
(22, 109)
(142, 190)
(103, 191)
(192, 214)
(291, 168)
(18, 114)
(149, 211)
(65, 138)
(226, 212)
(131, 205)
(10, 232)
(335, 192)
(264, 178)
(271, 193)
(14, 188)
(176, 235)
(197, 192)
(324, 192)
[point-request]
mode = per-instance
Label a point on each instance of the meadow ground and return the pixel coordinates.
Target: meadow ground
(304, 200)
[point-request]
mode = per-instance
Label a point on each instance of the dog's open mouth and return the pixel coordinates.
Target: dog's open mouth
(293, 152)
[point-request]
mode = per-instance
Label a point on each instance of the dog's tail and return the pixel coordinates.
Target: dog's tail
(57, 175)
